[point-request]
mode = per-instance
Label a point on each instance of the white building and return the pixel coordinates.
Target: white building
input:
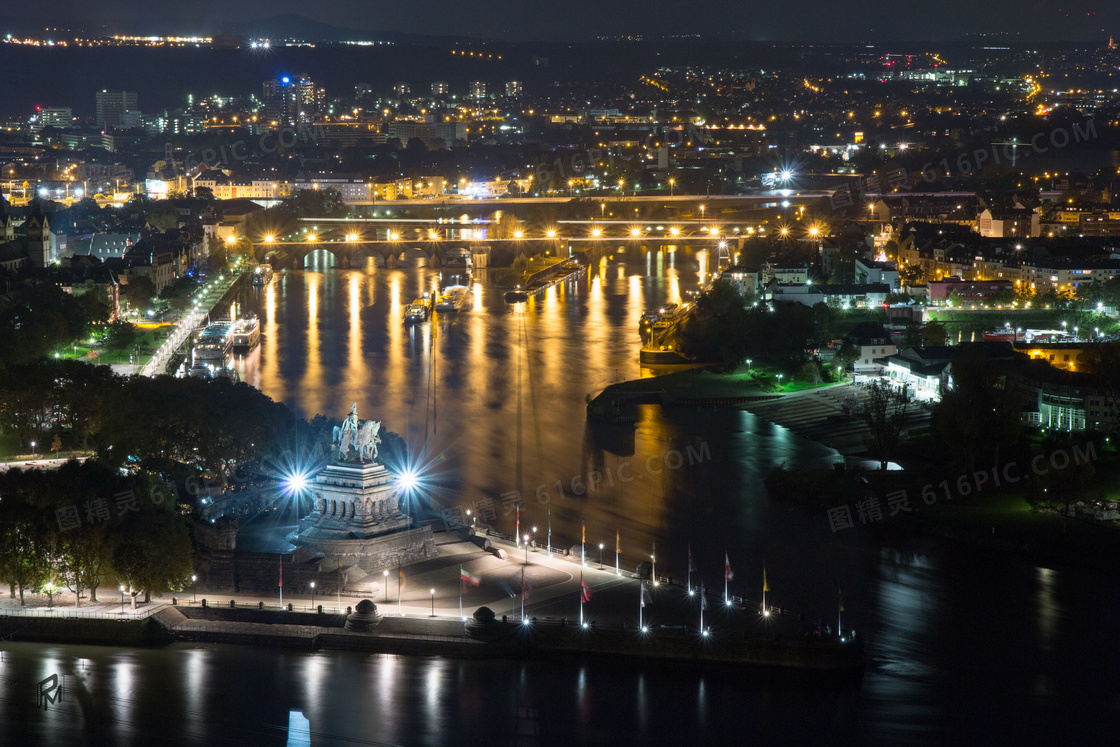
(839, 296)
(868, 271)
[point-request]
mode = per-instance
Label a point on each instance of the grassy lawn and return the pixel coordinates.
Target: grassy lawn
(10, 450)
(963, 325)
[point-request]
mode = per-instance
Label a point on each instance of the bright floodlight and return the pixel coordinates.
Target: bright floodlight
(786, 175)
(645, 629)
(704, 633)
(269, 239)
(295, 483)
(407, 479)
(766, 613)
(585, 625)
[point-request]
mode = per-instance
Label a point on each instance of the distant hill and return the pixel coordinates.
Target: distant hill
(292, 26)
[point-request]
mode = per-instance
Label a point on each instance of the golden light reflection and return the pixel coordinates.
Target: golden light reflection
(312, 380)
(355, 338)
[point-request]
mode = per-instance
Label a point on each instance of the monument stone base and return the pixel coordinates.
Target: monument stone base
(356, 520)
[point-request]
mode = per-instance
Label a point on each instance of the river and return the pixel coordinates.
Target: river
(963, 645)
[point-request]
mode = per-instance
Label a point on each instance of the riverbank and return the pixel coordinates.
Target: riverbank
(777, 648)
(697, 387)
(436, 613)
(895, 503)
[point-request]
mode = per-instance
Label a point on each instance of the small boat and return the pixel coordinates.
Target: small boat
(419, 310)
(214, 346)
(454, 298)
(246, 333)
(262, 275)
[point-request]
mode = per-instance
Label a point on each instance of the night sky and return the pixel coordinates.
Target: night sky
(789, 20)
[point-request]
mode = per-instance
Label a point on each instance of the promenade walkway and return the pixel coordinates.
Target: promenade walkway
(203, 302)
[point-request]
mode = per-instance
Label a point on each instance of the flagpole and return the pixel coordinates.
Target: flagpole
(281, 580)
(764, 590)
(690, 569)
(583, 547)
(701, 608)
(399, 612)
(727, 565)
(460, 591)
(617, 550)
(581, 598)
(339, 589)
(653, 557)
(550, 532)
(517, 530)
(522, 593)
(839, 608)
(641, 601)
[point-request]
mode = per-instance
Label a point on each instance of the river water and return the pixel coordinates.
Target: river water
(963, 644)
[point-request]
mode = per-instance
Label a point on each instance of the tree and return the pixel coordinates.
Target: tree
(153, 551)
(24, 547)
(140, 290)
(846, 355)
(979, 414)
(25, 401)
(884, 413)
(204, 193)
(163, 218)
(1058, 490)
(934, 334)
(121, 335)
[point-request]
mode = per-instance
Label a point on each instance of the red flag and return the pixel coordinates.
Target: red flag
(585, 590)
(466, 577)
(645, 594)
(517, 531)
(525, 588)
(281, 571)
(727, 574)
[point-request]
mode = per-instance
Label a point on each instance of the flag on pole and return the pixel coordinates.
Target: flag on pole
(703, 599)
(517, 531)
(645, 595)
(840, 598)
(585, 590)
(466, 577)
(691, 565)
(727, 574)
(765, 587)
(281, 571)
(525, 587)
(617, 542)
(584, 535)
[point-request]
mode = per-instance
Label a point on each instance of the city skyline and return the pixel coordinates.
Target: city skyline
(801, 20)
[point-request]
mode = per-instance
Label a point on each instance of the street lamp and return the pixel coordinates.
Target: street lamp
(122, 599)
(780, 380)
(32, 448)
(433, 593)
(600, 556)
(312, 595)
(671, 183)
(386, 576)
(194, 590)
(749, 361)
